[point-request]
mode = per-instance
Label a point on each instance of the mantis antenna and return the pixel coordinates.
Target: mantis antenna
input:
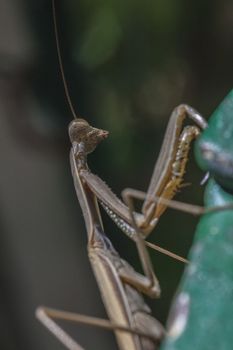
(71, 106)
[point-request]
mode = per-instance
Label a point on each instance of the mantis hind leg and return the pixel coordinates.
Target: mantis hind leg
(128, 194)
(47, 317)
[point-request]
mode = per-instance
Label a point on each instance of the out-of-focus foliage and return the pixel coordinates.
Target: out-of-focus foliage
(140, 59)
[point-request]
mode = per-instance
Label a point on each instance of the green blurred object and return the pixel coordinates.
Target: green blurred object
(201, 317)
(218, 137)
(100, 44)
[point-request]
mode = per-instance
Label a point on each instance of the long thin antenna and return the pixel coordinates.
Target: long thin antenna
(61, 64)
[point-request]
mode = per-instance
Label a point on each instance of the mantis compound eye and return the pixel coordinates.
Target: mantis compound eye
(78, 129)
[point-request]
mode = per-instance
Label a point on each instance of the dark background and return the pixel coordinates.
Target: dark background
(128, 64)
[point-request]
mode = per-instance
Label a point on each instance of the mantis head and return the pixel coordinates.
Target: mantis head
(84, 136)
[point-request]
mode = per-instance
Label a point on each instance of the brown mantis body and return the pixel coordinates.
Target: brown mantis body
(117, 280)
(120, 285)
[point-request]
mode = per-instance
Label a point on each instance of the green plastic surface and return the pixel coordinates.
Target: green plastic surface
(218, 140)
(201, 317)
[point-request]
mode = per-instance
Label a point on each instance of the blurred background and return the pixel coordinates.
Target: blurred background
(128, 64)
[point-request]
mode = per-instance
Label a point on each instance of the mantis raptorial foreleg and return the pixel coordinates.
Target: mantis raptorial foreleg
(165, 181)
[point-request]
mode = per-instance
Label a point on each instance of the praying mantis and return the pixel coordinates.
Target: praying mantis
(120, 285)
